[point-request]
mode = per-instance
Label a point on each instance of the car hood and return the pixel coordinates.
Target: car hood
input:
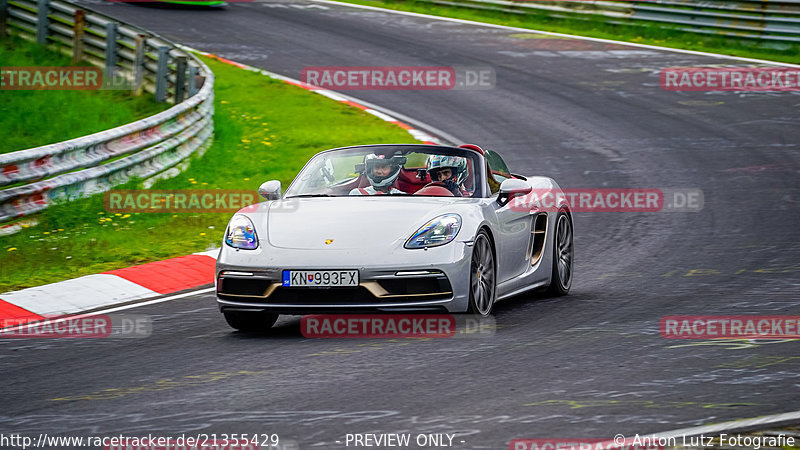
(350, 222)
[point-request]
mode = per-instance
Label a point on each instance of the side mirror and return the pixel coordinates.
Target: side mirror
(511, 188)
(271, 190)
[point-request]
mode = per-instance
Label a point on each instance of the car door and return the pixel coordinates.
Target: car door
(514, 226)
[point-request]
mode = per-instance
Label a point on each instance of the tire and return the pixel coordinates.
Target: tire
(483, 276)
(250, 321)
(563, 256)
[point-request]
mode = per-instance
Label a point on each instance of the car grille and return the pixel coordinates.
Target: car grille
(243, 286)
(396, 290)
(416, 286)
(314, 296)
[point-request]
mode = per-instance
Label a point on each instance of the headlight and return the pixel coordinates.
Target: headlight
(241, 233)
(438, 231)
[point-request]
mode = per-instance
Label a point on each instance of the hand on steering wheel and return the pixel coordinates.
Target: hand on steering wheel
(434, 189)
(450, 185)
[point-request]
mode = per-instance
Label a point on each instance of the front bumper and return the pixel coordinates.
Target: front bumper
(436, 279)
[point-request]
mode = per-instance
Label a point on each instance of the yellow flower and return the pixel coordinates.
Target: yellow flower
(126, 216)
(46, 232)
(60, 229)
(246, 141)
(101, 212)
(224, 101)
(118, 214)
(202, 234)
(12, 249)
(247, 179)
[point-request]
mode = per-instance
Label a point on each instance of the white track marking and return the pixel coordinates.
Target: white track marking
(756, 422)
(153, 302)
(550, 33)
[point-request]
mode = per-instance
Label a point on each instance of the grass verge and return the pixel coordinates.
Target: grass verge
(264, 129)
(593, 27)
(33, 118)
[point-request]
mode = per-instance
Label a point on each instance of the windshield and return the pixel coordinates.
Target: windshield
(422, 170)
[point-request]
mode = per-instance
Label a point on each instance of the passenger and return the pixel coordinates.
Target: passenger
(381, 173)
(450, 170)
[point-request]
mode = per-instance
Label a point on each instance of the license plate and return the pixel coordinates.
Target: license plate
(320, 278)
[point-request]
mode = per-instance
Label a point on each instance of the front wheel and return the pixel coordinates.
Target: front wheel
(563, 255)
(482, 276)
(250, 321)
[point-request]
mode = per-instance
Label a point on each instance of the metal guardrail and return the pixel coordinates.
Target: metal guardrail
(151, 147)
(777, 21)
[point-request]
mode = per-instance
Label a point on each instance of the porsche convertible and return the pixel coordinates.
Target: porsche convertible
(392, 228)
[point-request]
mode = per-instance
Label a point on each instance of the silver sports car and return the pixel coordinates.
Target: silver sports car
(393, 228)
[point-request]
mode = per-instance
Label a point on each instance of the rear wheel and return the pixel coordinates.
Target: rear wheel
(482, 276)
(250, 321)
(563, 255)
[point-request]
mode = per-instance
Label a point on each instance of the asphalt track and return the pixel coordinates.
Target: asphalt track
(591, 364)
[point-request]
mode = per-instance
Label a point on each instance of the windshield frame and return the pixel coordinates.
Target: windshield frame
(479, 163)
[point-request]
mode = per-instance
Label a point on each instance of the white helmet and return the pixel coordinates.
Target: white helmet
(371, 160)
(456, 163)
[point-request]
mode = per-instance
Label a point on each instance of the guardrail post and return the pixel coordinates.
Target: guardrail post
(180, 78)
(138, 65)
(3, 17)
(111, 50)
(77, 35)
(42, 21)
(194, 72)
(162, 73)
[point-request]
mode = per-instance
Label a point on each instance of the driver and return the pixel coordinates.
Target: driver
(381, 173)
(450, 170)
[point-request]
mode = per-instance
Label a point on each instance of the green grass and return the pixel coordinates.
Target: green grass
(33, 118)
(264, 129)
(593, 27)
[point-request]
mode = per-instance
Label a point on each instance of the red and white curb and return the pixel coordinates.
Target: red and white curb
(108, 288)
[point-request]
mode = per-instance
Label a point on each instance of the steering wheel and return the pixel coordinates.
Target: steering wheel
(435, 188)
